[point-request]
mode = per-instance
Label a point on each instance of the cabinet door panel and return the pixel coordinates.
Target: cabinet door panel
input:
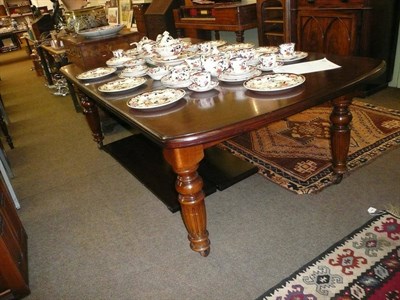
(327, 32)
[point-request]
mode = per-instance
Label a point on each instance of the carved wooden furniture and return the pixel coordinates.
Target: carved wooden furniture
(92, 53)
(184, 131)
(274, 22)
(158, 17)
(235, 16)
(14, 283)
(139, 9)
(346, 27)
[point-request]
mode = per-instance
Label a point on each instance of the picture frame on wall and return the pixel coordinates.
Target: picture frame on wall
(112, 15)
(130, 20)
(125, 7)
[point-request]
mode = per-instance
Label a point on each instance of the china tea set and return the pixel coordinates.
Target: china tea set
(198, 67)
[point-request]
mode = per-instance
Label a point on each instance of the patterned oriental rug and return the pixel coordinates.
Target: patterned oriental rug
(295, 152)
(364, 265)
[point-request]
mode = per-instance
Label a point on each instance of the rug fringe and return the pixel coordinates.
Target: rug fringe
(392, 209)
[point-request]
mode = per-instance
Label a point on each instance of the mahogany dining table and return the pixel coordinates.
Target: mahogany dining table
(186, 129)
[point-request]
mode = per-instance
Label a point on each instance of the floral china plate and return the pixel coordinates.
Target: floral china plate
(96, 73)
(118, 61)
(195, 88)
(267, 50)
(274, 82)
(237, 46)
(122, 85)
(156, 99)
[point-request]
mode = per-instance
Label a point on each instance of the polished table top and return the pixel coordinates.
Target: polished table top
(187, 128)
(187, 123)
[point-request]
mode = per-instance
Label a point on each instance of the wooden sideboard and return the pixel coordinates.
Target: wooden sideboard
(233, 16)
(92, 53)
(345, 27)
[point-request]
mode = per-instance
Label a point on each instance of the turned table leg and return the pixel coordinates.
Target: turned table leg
(340, 134)
(93, 119)
(189, 184)
(239, 36)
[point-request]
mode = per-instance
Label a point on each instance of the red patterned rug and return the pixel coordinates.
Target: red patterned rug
(295, 152)
(364, 265)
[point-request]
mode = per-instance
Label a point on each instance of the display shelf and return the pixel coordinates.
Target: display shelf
(273, 22)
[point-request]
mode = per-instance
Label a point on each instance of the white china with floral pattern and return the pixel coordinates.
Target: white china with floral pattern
(96, 73)
(195, 88)
(135, 71)
(228, 78)
(121, 85)
(156, 99)
(274, 82)
(169, 81)
(297, 55)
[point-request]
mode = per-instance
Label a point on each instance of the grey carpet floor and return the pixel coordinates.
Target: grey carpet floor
(95, 232)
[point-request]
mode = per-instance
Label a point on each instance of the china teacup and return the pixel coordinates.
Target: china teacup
(267, 60)
(194, 62)
(238, 64)
(215, 64)
(180, 73)
(246, 53)
(287, 49)
(204, 47)
(201, 79)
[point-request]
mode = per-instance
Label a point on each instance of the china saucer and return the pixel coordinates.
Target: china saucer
(226, 78)
(266, 69)
(229, 73)
(297, 55)
(169, 82)
(194, 87)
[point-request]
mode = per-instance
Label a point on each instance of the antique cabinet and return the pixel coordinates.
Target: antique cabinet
(274, 22)
(350, 27)
(13, 249)
(92, 53)
(336, 26)
(346, 27)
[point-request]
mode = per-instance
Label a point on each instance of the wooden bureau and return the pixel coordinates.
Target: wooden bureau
(233, 16)
(92, 53)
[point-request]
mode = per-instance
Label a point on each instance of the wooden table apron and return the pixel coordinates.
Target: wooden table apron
(186, 130)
